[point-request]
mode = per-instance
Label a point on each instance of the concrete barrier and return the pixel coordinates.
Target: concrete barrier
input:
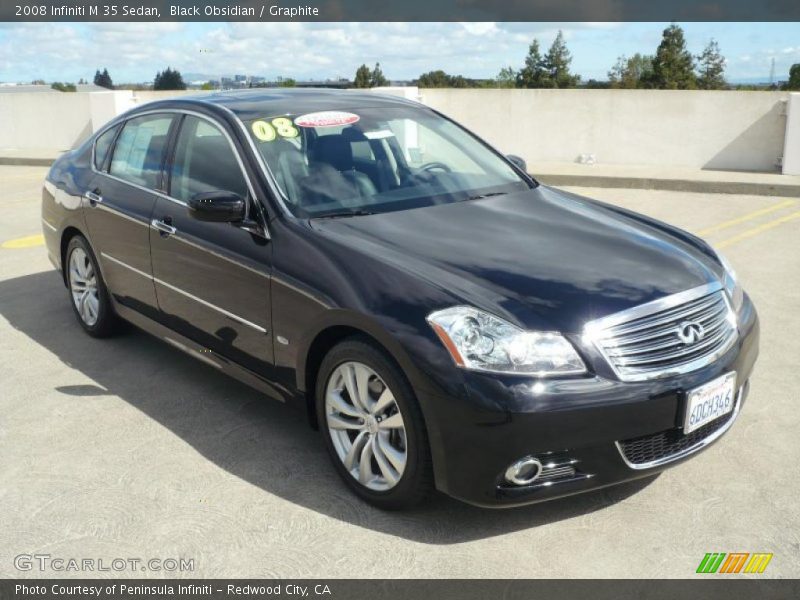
(44, 120)
(727, 130)
(791, 144)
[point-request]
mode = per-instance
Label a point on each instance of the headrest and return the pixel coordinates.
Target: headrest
(334, 150)
(352, 134)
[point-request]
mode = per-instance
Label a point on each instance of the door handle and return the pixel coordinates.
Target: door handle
(93, 198)
(163, 228)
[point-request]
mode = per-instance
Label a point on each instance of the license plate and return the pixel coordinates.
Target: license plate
(710, 401)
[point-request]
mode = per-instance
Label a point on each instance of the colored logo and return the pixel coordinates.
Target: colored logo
(690, 332)
(735, 562)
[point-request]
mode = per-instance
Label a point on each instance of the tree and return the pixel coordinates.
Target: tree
(103, 79)
(287, 82)
(794, 78)
(434, 79)
(673, 65)
(376, 78)
(533, 74)
(207, 86)
(64, 87)
(711, 68)
(169, 79)
(556, 63)
(362, 78)
(631, 73)
(440, 79)
(506, 78)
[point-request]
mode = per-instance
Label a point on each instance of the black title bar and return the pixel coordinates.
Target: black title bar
(400, 10)
(708, 588)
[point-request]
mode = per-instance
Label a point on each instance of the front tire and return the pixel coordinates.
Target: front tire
(87, 290)
(373, 426)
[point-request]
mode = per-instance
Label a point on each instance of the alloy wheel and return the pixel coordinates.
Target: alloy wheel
(366, 426)
(83, 286)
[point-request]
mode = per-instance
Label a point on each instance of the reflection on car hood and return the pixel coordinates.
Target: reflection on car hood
(542, 257)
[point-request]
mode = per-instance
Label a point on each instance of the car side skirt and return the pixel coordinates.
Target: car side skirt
(201, 353)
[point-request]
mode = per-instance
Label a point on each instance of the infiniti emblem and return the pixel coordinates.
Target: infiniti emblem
(690, 332)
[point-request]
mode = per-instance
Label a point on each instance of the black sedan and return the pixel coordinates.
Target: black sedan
(443, 318)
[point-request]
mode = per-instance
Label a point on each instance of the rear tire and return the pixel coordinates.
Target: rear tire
(373, 426)
(87, 290)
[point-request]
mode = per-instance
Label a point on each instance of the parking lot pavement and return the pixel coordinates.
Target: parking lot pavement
(126, 448)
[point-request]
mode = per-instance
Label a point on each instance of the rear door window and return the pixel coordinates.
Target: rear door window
(102, 145)
(139, 151)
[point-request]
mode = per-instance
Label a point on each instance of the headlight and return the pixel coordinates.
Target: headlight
(731, 282)
(480, 341)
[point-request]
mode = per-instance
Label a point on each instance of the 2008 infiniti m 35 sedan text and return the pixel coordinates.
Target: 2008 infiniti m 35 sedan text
(444, 320)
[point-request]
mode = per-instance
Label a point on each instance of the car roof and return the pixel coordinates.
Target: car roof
(255, 103)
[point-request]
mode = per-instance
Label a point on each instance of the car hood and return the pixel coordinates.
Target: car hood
(542, 258)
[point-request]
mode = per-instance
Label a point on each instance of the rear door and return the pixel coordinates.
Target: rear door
(212, 279)
(120, 204)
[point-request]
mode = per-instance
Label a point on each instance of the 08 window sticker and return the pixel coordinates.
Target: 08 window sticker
(268, 131)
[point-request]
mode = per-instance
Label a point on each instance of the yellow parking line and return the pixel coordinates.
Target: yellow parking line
(747, 217)
(756, 230)
(25, 242)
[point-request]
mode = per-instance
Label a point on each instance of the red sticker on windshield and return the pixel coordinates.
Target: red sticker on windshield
(328, 118)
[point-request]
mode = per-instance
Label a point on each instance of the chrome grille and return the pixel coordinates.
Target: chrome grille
(645, 342)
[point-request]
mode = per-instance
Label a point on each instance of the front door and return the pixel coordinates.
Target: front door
(212, 279)
(120, 205)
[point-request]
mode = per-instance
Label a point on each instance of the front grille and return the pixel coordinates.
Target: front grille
(660, 447)
(644, 342)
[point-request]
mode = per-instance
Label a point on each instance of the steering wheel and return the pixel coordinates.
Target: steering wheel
(435, 165)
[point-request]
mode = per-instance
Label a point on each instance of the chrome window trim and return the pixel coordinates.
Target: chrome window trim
(179, 111)
(228, 314)
(265, 170)
(591, 329)
(691, 449)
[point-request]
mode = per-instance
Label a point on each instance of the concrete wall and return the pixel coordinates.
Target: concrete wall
(46, 120)
(791, 145)
(711, 130)
(107, 105)
(58, 121)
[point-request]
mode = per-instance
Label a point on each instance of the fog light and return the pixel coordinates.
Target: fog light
(524, 472)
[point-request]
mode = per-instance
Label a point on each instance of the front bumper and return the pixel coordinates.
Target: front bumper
(577, 423)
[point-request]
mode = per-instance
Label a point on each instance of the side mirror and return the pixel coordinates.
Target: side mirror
(217, 207)
(518, 161)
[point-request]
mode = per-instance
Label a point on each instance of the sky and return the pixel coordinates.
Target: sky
(133, 52)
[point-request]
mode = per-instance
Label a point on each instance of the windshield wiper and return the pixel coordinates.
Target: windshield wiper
(345, 213)
(488, 195)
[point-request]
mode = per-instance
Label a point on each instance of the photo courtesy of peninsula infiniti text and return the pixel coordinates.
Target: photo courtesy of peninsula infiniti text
(446, 322)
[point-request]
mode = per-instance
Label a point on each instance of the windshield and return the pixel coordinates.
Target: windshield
(377, 160)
